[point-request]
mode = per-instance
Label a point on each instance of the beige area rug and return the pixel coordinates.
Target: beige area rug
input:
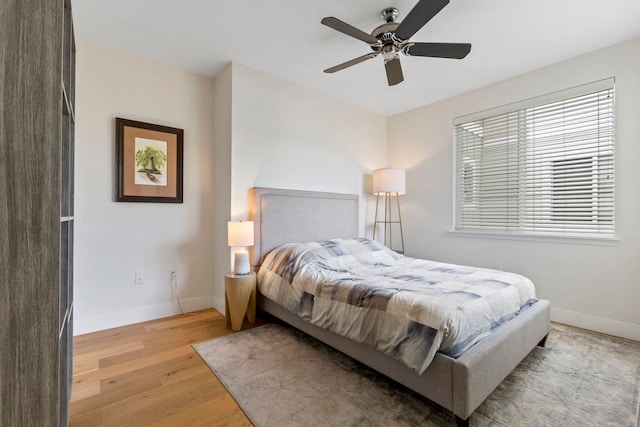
(282, 377)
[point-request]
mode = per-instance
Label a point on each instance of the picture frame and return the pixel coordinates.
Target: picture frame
(149, 162)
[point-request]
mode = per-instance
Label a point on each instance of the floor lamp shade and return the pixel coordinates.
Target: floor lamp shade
(387, 183)
(240, 234)
(389, 180)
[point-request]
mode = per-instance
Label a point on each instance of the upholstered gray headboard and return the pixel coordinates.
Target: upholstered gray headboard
(293, 216)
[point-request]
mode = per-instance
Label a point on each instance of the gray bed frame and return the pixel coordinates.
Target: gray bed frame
(459, 385)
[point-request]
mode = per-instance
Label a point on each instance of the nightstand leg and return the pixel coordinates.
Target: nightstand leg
(227, 315)
(251, 309)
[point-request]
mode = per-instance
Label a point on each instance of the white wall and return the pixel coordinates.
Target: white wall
(242, 129)
(222, 121)
(247, 128)
(115, 240)
(595, 287)
(272, 133)
(287, 136)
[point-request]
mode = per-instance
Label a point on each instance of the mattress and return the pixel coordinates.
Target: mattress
(405, 307)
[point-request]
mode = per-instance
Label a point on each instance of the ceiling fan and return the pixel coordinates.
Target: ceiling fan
(391, 38)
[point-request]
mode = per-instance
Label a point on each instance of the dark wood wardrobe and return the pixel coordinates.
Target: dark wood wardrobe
(36, 211)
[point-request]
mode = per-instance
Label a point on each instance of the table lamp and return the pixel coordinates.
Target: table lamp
(240, 234)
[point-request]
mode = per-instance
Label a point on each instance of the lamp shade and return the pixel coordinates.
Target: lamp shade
(240, 233)
(389, 180)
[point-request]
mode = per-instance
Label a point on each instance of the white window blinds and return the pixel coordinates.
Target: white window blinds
(543, 166)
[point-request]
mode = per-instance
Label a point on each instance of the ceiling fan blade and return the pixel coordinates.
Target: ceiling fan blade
(350, 63)
(394, 71)
(418, 16)
(349, 30)
(438, 50)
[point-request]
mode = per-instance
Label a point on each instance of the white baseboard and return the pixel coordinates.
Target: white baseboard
(594, 323)
(115, 318)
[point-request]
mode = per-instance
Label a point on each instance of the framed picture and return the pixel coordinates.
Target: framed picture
(148, 162)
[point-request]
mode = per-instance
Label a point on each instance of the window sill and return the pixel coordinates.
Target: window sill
(549, 238)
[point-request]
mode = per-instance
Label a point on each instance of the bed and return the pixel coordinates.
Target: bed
(458, 384)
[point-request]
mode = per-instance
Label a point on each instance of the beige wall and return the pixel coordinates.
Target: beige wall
(593, 286)
(222, 122)
(242, 129)
(287, 136)
(115, 240)
(246, 128)
(272, 133)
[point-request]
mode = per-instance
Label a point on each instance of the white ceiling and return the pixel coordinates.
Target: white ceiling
(285, 38)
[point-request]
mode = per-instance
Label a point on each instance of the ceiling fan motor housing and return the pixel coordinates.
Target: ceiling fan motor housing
(389, 46)
(385, 32)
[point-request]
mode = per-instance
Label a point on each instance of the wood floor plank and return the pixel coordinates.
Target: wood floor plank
(220, 411)
(88, 419)
(172, 322)
(139, 363)
(91, 361)
(84, 390)
(157, 341)
(155, 403)
(183, 371)
(90, 342)
(148, 374)
(115, 394)
(210, 314)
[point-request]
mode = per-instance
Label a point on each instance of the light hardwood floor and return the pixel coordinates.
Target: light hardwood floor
(148, 374)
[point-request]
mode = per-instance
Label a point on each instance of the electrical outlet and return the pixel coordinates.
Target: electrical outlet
(138, 279)
(173, 275)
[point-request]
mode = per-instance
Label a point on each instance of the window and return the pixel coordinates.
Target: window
(544, 166)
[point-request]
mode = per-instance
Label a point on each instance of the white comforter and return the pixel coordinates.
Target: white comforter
(405, 307)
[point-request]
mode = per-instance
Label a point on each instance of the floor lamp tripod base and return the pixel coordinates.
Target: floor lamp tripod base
(388, 222)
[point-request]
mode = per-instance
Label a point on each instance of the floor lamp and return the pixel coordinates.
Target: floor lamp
(389, 182)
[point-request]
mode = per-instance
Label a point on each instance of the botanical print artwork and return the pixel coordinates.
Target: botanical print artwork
(151, 162)
(148, 162)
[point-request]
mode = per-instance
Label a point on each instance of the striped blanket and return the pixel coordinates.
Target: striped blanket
(405, 307)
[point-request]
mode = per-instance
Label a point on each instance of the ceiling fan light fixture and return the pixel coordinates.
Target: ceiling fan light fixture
(389, 53)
